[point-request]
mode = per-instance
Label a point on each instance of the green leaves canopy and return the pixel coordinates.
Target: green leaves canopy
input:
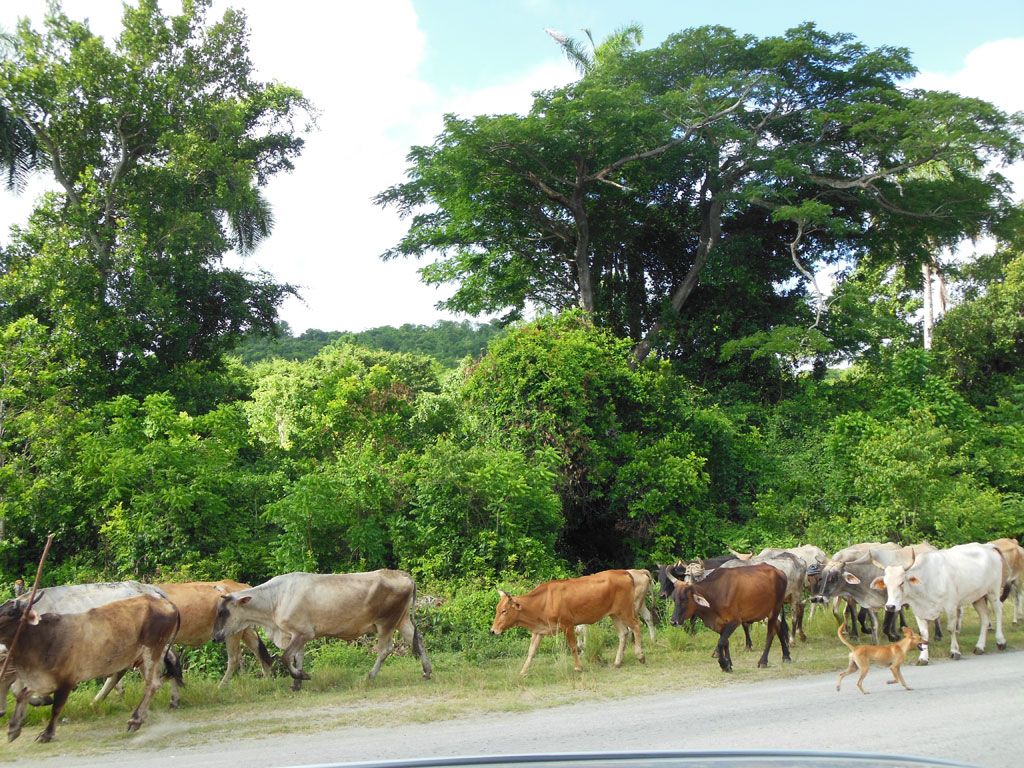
(159, 145)
(704, 159)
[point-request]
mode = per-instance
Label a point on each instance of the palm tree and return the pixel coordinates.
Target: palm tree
(19, 152)
(584, 59)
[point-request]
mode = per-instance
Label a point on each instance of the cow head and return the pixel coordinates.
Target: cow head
(686, 602)
(506, 615)
(10, 616)
(667, 576)
(895, 579)
(231, 616)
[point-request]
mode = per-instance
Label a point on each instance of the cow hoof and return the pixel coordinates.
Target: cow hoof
(956, 656)
(922, 662)
(426, 675)
(12, 735)
(979, 651)
(762, 664)
(297, 685)
(134, 725)
(787, 661)
(1001, 646)
(44, 737)
(643, 659)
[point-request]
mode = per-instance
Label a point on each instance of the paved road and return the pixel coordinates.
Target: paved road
(971, 710)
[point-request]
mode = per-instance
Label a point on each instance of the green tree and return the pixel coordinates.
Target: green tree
(160, 144)
(719, 160)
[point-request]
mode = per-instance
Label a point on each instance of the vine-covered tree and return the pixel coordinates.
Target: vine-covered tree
(160, 143)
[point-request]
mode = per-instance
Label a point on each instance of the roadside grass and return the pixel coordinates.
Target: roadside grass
(340, 695)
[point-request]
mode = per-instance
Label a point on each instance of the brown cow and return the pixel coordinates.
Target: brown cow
(558, 606)
(197, 602)
(56, 651)
(728, 597)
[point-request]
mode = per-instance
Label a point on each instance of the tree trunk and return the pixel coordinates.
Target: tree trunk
(929, 317)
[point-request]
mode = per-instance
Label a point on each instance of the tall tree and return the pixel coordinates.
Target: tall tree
(160, 144)
(711, 159)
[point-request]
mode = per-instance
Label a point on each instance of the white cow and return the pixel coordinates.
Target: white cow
(942, 582)
(297, 607)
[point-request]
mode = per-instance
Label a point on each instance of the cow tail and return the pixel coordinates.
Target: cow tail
(264, 654)
(172, 664)
(1005, 576)
(653, 598)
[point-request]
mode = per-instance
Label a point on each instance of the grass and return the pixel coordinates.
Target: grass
(340, 695)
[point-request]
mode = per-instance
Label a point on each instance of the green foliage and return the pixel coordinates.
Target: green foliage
(446, 341)
(479, 511)
(159, 143)
(337, 519)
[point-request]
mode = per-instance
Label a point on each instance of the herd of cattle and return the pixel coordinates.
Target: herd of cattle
(69, 634)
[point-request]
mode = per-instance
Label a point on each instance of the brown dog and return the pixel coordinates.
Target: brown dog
(891, 656)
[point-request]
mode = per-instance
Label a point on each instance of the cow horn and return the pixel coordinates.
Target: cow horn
(913, 558)
(671, 577)
(875, 562)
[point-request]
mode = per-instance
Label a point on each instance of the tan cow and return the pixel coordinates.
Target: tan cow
(56, 651)
(296, 607)
(643, 582)
(197, 602)
(1014, 578)
(558, 606)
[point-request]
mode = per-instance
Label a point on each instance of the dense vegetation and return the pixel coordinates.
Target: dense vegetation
(620, 427)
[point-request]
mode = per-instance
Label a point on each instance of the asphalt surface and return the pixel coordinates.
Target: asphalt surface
(971, 710)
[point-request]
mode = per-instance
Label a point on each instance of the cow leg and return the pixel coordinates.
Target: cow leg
(570, 639)
(255, 644)
(384, 646)
(60, 698)
(151, 659)
(724, 657)
(922, 630)
(798, 622)
(850, 614)
(415, 639)
(863, 616)
(783, 632)
(1017, 595)
(292, 654)
(749, 646)
(645, 614)
(233, 644)
(534, 645)
(1000, 637)
(108, 686)
(622, 630)
(18, 716)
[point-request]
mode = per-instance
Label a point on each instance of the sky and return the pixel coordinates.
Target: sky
(383, 73)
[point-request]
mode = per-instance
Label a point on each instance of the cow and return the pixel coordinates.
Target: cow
(197, 601)
(939, 582)
(728, 597)
(558, 606)
(1014, 555)
(296, 607)
(76, 598)
(849, 575)
(57, 651)
(793, 568)
(642, 585)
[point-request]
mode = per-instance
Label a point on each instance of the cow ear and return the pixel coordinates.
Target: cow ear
(851, 579)
(32, 618)
(878, 583)
(699, 600)
(914, 580)
(244, 600)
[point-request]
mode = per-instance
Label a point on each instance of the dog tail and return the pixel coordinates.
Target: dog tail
(840, 634)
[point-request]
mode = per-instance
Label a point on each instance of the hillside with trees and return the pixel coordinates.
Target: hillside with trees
(684, 384)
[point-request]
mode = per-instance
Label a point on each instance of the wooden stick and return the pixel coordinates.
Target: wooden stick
(31, 599)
